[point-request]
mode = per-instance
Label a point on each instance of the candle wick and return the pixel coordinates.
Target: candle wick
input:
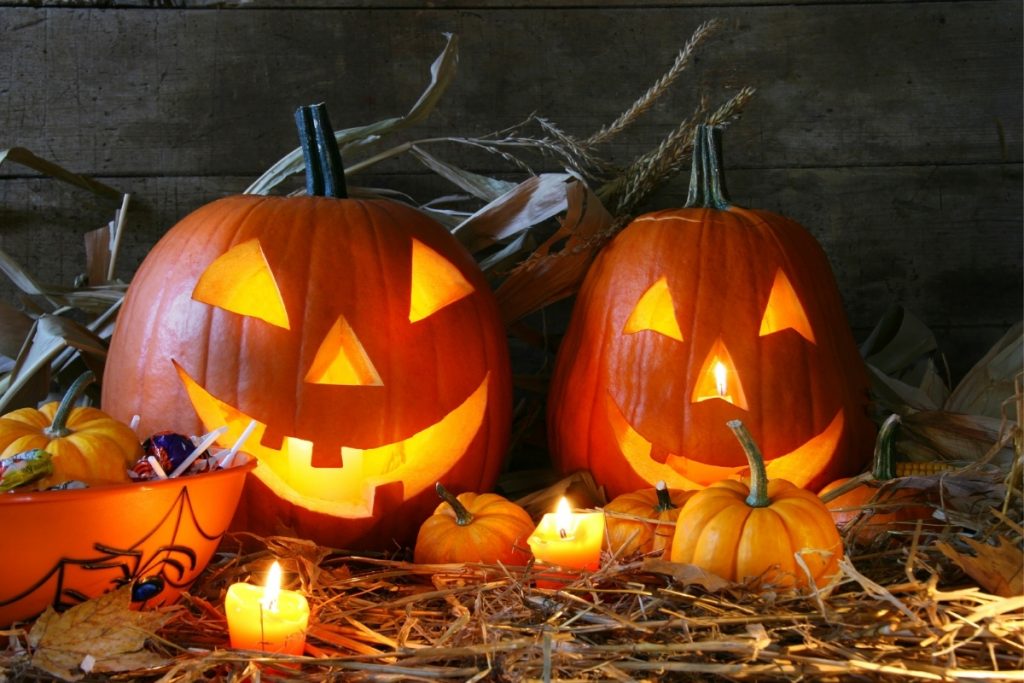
(562, 533)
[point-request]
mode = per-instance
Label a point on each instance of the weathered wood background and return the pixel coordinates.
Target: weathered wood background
(892, 130)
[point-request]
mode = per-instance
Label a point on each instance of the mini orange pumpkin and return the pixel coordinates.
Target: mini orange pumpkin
(657, 509)
(862, 506)
(86, 444)
(474, 527)
(754, 532)
(692, 317)
(358, 335)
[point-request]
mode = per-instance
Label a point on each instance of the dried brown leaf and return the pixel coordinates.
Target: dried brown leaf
(686, 574)
(529, 203)
(949, 436)
(999, 569)
(546, 276)
(102, 635)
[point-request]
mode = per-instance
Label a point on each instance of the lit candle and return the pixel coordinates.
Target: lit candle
(568, 540)
(267, 618)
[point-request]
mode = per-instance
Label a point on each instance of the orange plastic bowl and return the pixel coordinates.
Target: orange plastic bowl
(62, 547)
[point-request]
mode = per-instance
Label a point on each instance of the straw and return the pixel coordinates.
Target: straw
(155, 464)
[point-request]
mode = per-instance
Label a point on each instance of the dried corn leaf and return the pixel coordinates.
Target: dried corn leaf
(49, 336)
(441, 73)
(103, 635)
(14, 328)
(896, 396)
(989, 385)
(942, 435)
(998, 569)
(479, 186)
(548, 276)
(898, 342)
(24, 157)
(529, 203)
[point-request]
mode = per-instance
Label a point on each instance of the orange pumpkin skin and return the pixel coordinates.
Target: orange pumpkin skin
(622, 401)
(718, 531)
(496, 531)
(96, 448)
(896, 510)
(366, 385)
(627, 537)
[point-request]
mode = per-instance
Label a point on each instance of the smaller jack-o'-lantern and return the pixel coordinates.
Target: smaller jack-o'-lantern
(693, 317)
(357, 336)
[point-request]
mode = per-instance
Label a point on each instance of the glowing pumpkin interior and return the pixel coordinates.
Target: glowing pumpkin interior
(719, 379)
(344, 483)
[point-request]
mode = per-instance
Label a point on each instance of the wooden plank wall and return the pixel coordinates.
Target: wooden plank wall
(892, 130)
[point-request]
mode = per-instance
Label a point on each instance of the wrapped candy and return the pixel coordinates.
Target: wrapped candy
(24, 468)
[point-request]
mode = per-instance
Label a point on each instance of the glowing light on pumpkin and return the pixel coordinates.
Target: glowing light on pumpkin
(784, 311)
(718, 378)
(655, 311)
(240, 281)
(342, 360)
(436, 282)
(349, 490)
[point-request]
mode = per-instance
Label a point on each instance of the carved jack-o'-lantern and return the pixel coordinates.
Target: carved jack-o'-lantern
(358, 335)
(693, 317)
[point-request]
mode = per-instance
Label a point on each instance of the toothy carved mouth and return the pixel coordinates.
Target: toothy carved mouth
(347, 491)
(683, 472)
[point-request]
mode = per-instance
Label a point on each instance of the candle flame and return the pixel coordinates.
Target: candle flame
(563, 517)
(273, 588)
(721, 378)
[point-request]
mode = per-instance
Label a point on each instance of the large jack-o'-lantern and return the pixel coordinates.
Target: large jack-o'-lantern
(693, 317)
(358, 335)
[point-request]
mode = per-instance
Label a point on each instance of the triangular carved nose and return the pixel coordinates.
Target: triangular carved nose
(342, 360)
(718, 378)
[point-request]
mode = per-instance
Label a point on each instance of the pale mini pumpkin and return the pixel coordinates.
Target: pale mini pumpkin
(474, 527)
(643, 521)
(86, 444)
(863, 508)
(359, 335)
(692, 317)
(754, 533)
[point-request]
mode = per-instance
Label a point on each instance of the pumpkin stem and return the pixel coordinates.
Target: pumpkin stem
(325, 174)
(883, 467)
(664, 499)
(58, 427)
(707, 187)
(463, 517)
(758, 497)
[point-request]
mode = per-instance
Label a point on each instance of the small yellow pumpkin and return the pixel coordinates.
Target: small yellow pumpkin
(474, 527)
(657, 509)
(86, 444)
(746, 533)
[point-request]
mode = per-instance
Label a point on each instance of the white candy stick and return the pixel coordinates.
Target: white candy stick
(134, 424)
(155, 464)
(203, 445)
(225, 460)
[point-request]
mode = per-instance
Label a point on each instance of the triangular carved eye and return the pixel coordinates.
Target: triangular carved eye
(240, 281)
(784, 310)
(436, 282)
(655, 311)
(341, 359)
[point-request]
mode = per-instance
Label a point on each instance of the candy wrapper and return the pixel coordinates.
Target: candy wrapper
(24, 468)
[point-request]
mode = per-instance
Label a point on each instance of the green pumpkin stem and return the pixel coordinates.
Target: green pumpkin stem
(664, 499)
(325, 174)
(463, 517)
(707, 187)
(883, 467)
(758, 497)
(58, 427)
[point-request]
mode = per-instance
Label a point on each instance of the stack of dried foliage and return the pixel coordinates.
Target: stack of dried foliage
(942, 600)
